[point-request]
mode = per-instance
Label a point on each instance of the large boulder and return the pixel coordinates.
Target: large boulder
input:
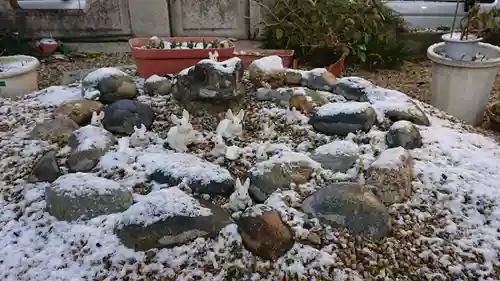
(88, 144)
(338, 118)
(121, 116)
(79, 111)
(202, 176)
(267, 71)
(338, 156)
(109, 84)
(352, 88)
(279, 172)
(351, 206)
(168, 218)
(209, 79)
(405, 134)
(318, 79)
(85, 196)
(391, 175)
(264, 233)
(54, 130)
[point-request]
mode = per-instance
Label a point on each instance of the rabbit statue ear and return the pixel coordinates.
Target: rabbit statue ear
(241, 114)
(238, 183)
(247, 183)
(94, 115)
(229, 114)
(143, 127)
(185, 114)
(174, 118)
(135, 128)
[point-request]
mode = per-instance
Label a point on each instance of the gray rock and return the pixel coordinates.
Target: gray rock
(396, 105)
(338, 156)
(265, 235)
(202, 176)
(293, 77)
(157, 85)
(116, 87)
(343, 118)
(70, 77)
(319, 79)
(281, 94)
(351, 206)
(352, 88)
(85, 196)
(278, 173)
(88, 144)
(404, 134)
(210, 80)
(168, 218)
(319, 97)
(92, 79)
(46, 169)
(391, 174)
(267, 71)
(121, 116)
(54, 130)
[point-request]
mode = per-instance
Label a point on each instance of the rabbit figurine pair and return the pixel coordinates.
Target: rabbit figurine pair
(182, 134)
(221, 149)
(139, 137)
(231, 126)
(240, 199)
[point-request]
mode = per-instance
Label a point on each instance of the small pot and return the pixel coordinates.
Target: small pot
(458, 49)
(337, 68)
(493, 118)
(48, 46)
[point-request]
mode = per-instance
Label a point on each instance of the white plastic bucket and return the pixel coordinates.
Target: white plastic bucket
(458, 49)
(18, 76)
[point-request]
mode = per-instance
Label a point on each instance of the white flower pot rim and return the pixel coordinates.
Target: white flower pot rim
(446, 37)
(34, 63)
(434, 56)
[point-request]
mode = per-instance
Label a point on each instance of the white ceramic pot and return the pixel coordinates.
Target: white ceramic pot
(458, 49)
(462, 88)
(18, 76)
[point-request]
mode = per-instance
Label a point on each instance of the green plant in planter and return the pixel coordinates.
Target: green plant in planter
(174, 44)
(215, 44)
(479, 24)
(365, 29)
(205, 44)
(495, 109)
(190, 44)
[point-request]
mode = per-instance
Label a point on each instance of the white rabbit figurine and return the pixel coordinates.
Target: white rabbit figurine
(293, 116)
(139, 137)
(213, 56)
(240, 199)
(125, 150)
(268, 130)
(232, 152)
(220, 146)
(97, 119)
(182, 134)
(261, 153)
(231, 126)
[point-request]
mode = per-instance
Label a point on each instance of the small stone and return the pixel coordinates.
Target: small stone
(352, 88)
(211, 80)
(88, 144)
(85, 196)
(157, 85)
(391, 175)
(319, 97)
(54, 130)
(202, 176)
(314, 238)
(267, 70)
(343, 118)
(302, 102)
(405, 134)
(266, 235)
(338, 156)
(121, 116)
(117, 87)
(293, 77)
(351, 206)
(319, 79)
(79, 111)
(281, 94)
(46, 169)
(167, 218)
(278, 173)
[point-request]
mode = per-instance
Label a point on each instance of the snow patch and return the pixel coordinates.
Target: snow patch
(335, 108)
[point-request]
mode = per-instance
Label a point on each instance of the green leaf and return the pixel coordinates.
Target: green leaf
(279, 33)
(362, 56)
(362, 47)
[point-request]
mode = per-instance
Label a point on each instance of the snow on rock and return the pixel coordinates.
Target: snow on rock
(338, 156)
(268, 64)
(155, 78)
(56, 95)
(202, 176)
(101, 73)
(81, 195)
(335, 108)
(227, 66)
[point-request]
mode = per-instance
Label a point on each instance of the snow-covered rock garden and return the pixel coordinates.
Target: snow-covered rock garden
(223, 174)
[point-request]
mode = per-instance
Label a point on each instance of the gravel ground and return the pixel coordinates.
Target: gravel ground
(413, 79)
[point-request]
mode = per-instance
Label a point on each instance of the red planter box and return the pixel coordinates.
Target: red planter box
(248, 56)
(171, 61)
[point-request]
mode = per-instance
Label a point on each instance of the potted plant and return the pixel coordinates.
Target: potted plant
(162, 56)
(463, 68)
